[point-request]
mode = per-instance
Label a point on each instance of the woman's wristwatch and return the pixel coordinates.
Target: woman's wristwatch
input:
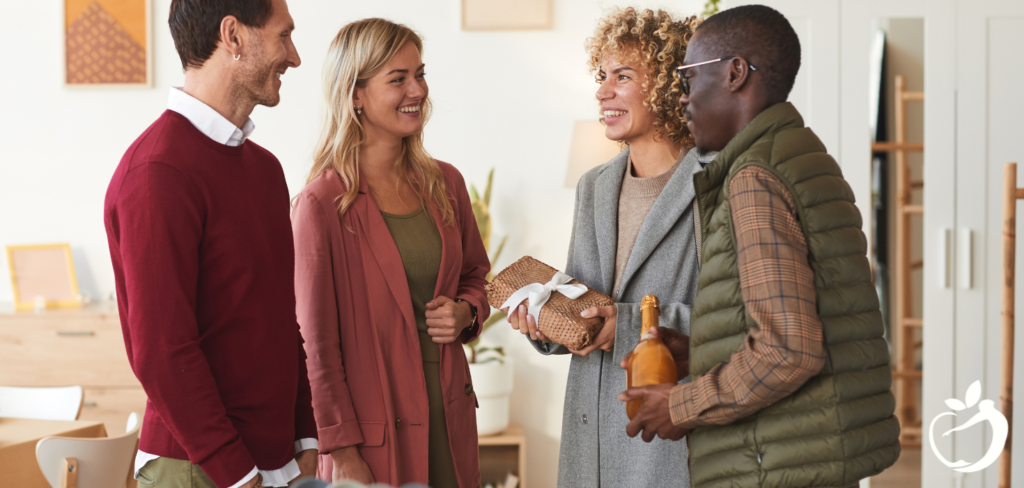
(472, 310)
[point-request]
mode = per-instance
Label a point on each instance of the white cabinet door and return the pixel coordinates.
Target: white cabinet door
(939, 189)
(989, 69)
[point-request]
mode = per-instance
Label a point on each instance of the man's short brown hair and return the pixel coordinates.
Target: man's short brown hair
(195, 25)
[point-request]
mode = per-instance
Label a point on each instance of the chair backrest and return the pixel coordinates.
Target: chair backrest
(63, 403)
(102, 463)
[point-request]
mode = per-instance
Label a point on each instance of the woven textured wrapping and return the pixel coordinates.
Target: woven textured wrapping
(560, 319)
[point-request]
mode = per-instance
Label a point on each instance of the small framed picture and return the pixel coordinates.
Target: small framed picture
(107, 43)
(43, 276)
(507, 14)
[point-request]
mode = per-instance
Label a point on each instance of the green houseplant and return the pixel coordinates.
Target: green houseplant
(710, 8)
(482, 212)
(490, 367)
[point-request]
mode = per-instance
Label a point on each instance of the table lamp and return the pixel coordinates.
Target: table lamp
(590, 148)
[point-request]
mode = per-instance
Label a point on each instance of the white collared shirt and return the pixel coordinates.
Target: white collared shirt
(207, 120)
(221, 130)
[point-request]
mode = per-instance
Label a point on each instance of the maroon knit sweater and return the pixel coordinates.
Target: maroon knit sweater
(201, 244)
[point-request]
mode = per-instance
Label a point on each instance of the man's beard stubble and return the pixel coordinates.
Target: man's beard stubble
(254, 82)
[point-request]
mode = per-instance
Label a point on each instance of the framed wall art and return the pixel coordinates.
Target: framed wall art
(107, 42)
(507, 14)
(43, 273)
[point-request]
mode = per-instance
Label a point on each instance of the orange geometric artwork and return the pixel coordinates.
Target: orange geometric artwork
(106, 42)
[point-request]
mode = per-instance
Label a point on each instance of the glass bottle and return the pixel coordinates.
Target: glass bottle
(651, 362)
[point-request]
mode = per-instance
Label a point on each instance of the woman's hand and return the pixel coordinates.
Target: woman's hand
(349, 465)
(447, 318)
(605, 339)
(525, 324)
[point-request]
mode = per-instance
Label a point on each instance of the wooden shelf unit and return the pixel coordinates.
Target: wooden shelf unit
(907, 327)
(503, 453)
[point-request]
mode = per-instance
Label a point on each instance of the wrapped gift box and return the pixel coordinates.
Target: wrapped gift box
(559, 318)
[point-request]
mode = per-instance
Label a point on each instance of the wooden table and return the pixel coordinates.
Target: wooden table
(18, 439)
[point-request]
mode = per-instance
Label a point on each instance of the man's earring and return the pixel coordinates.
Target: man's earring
(237, 57)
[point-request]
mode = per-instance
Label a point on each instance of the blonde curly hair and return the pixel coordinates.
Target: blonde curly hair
(657, 41)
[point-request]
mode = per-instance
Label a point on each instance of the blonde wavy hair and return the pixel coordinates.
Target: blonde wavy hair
(658, 42)
(358, 52)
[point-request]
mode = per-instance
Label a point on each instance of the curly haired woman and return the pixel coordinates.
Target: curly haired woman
(633, 235)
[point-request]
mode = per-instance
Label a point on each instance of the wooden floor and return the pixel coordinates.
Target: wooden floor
(906, 473)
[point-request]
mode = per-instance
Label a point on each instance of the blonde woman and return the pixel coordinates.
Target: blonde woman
(633, 235)
(389, 274)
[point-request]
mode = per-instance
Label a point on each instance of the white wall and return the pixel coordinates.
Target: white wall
(502, 99)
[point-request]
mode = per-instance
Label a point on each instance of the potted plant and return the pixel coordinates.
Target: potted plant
(490, 367)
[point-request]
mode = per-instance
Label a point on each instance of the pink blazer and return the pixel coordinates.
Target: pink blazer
(355, 312)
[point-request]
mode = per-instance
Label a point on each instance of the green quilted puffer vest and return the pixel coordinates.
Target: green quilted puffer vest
(839, 427)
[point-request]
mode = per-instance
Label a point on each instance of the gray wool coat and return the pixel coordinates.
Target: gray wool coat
(595, 450)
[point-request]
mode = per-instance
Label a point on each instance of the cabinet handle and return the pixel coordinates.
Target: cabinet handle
(943, 270)
(966, 261)
(75, 333)
(88, 404)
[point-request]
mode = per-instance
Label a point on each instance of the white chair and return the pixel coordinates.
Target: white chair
(69, 462)
(63, 403)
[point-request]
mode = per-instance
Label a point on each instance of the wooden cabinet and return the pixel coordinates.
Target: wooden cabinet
(81, 347)
(989, 102)
(112, 406)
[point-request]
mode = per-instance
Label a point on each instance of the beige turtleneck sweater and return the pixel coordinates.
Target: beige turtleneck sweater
(636, 198)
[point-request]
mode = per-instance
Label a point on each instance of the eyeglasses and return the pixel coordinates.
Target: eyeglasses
(684, 81)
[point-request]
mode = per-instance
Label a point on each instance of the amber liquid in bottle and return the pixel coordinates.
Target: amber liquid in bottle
(651, 362)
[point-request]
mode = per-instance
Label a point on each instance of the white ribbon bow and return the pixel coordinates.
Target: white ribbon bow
(539, 294)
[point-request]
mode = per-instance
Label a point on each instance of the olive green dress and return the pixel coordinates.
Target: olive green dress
(419, 243)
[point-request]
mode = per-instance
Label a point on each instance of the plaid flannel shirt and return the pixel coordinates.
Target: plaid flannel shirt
(786, 348)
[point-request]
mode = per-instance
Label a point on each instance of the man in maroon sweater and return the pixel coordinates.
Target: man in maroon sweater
(200, 238)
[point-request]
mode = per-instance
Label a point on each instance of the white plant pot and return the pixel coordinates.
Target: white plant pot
(492, 383)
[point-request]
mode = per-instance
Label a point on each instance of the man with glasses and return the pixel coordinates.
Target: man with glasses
(790, 371)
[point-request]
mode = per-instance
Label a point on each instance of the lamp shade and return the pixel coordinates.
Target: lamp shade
(590, 148)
